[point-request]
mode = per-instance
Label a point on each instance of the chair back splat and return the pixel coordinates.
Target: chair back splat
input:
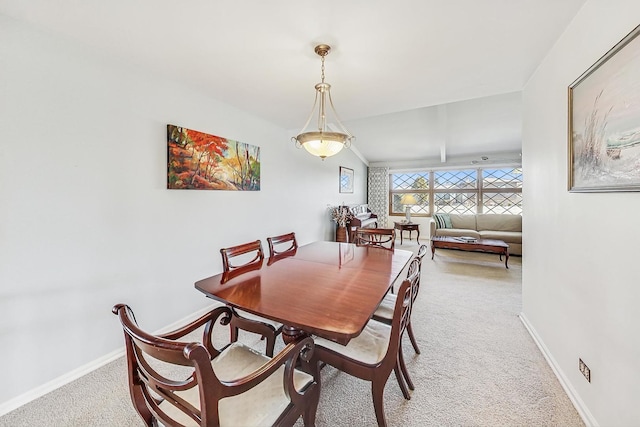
(250, 257)
(422, 251)
(181, 383)
(383, 238)
(282, 246)
(244, 251)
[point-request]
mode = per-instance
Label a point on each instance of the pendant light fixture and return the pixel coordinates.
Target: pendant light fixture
(321, 141)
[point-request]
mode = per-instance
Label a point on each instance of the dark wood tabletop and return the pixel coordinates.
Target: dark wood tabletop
(327, 289)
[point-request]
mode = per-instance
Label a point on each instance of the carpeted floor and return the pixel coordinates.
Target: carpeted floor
(478, 367)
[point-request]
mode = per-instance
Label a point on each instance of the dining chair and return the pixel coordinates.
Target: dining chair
(384, 312)
(177, 381)
(384, 238)
(250, 257)
(277, 243)
(373, 354)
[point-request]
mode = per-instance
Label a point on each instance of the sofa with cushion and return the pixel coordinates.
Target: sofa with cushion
(505, 227)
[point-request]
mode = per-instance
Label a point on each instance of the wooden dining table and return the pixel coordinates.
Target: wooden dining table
(327, 289)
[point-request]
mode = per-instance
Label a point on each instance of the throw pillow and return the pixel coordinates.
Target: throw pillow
(442, 220)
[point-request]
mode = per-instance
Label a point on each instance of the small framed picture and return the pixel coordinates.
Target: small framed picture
(346, 180)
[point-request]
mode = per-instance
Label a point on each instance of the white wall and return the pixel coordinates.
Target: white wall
(581, 269)
(86, 220)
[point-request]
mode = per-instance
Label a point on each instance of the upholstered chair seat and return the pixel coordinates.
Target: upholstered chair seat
(385, 309)
(178, 379)
(267, 400)
(369, 347)
(245, 314)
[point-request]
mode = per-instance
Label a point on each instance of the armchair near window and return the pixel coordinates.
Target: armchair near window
(177, 382)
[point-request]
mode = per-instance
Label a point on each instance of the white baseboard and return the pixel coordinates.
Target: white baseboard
(62, 380)
(65, 379)
(582, 409)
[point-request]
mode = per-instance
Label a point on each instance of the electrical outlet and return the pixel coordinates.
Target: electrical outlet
(584, 369)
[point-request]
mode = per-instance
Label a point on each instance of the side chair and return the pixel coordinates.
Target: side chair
(384, 313)
(384, 238)
(277, 243)
(373, 354)
(250, 256)
(178, 381)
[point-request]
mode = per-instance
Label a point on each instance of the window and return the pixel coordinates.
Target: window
(409, 189)
(460, 191)
(502, 191)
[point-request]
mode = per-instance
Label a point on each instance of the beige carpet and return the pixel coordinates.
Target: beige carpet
(478, 367)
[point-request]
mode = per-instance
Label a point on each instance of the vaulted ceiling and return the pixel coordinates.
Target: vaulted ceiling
(412, 79)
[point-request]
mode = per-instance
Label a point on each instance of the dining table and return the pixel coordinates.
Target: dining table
(328, 289)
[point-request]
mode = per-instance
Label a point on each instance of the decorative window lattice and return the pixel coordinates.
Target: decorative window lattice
(408, 181)
(502, 178)
(420, 207)
(461, 179)
(465, 191)
(457, 203)
(502, 203)
(415, 185)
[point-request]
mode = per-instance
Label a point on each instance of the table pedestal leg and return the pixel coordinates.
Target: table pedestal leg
(289, 333)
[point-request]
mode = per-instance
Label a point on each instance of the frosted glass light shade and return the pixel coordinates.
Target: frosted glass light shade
(322, 144)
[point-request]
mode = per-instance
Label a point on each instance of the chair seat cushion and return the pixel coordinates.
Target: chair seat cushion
(369, 347)
(255, 318)
(261, 405)
(386, 307)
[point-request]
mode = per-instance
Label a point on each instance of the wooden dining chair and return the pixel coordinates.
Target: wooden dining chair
(282, 246)
(373, 354)
(384, 238)
(250, 257)
(177, 381)
(384, 312)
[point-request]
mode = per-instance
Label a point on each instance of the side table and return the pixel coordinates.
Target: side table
(408, 226)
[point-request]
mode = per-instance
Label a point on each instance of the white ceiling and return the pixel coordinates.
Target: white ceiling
(390, 60)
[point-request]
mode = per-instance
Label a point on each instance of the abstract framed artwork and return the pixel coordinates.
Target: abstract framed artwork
(604, 122)
(346, 180)
(199, 161)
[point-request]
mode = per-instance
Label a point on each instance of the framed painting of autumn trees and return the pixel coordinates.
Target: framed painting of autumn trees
(200, 161)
